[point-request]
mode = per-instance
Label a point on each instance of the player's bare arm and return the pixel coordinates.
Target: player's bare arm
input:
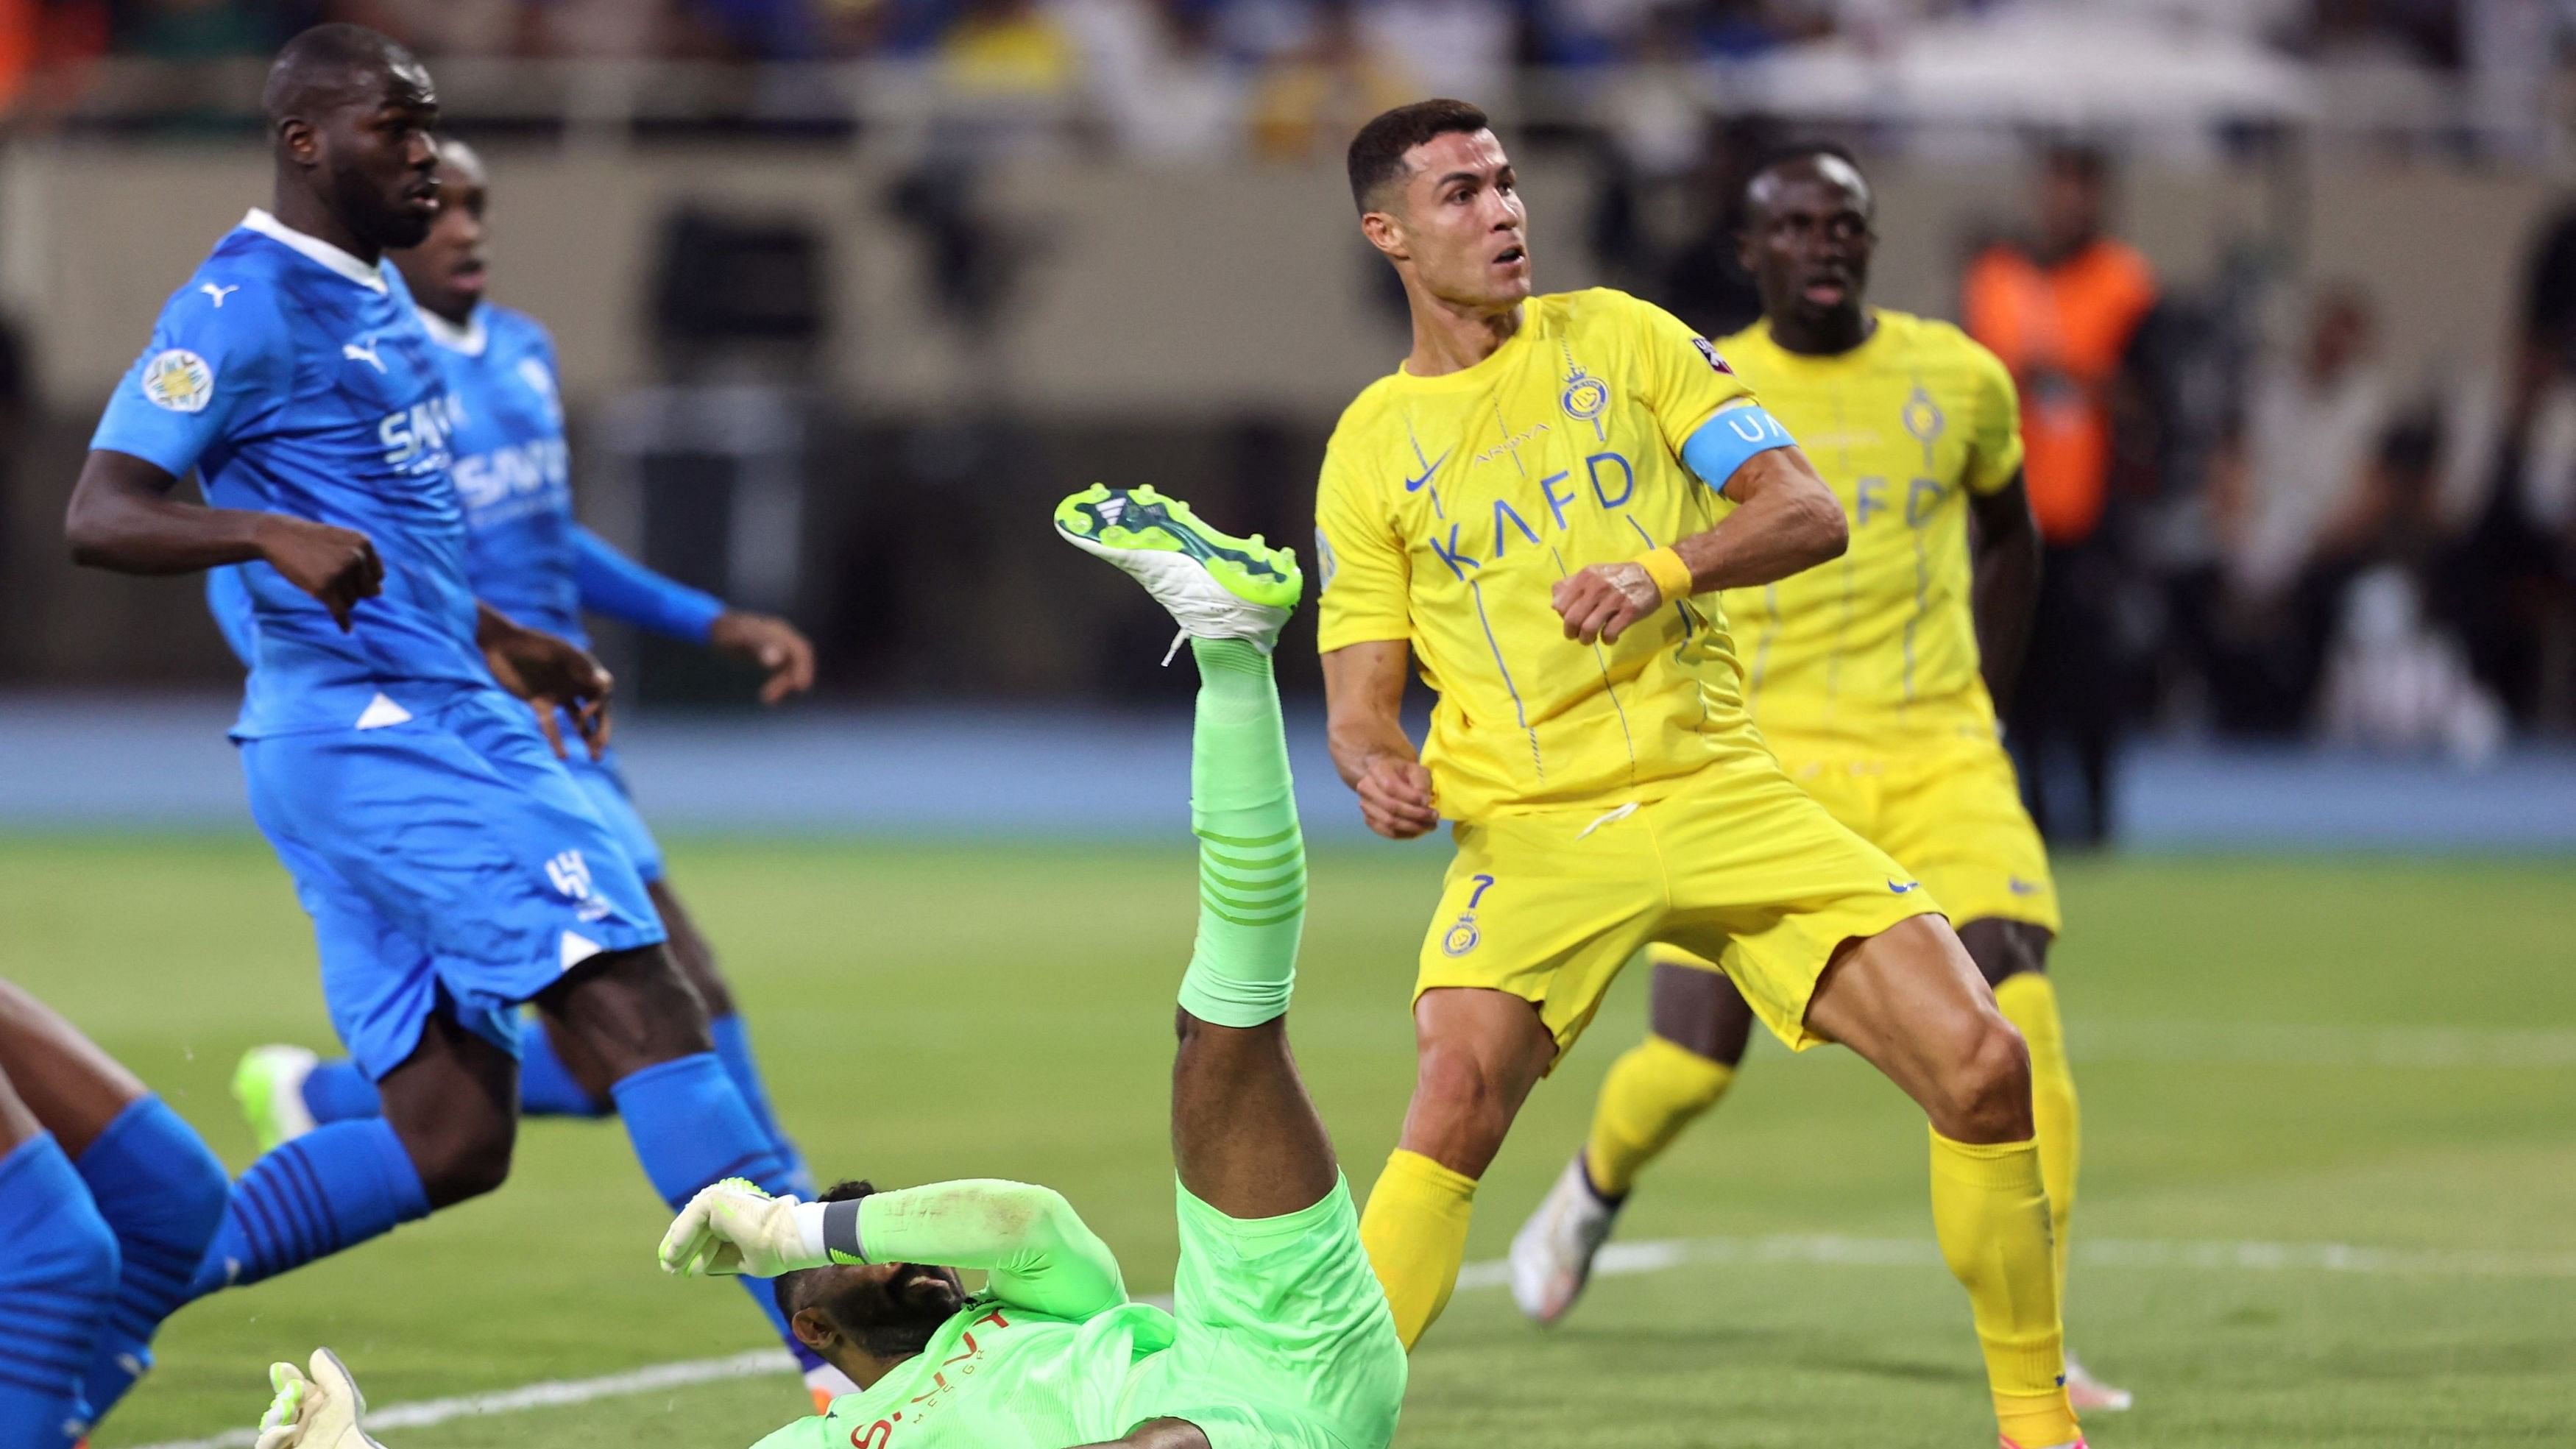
(123, 518)
(1785, 521)
(550, 674)
(2007, 583)
(1364, 699)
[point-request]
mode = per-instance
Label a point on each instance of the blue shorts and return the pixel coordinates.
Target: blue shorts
(450, 858)
(604, 781)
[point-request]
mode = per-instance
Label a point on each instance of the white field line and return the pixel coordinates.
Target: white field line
(1616, 1260)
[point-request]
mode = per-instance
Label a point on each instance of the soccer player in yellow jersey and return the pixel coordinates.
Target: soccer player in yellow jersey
(1539, 508)
(1872, 680)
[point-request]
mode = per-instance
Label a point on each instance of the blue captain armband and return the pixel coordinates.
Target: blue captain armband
(1725, 441)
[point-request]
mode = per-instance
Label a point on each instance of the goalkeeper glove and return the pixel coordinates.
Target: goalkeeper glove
(321, 1412)
(736, 1228)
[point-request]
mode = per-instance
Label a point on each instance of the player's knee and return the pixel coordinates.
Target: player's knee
(1985, 1094)
(464, 1166)
(1465, 1100)
(70, 1257)
(698, 964)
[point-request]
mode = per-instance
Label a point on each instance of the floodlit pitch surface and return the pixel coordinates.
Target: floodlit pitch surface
(2329, 1175)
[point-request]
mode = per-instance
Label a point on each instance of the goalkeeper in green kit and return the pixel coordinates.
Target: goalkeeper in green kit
(1278, 1333)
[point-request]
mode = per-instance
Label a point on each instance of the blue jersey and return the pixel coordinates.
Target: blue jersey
(295, 381)
(528, 557)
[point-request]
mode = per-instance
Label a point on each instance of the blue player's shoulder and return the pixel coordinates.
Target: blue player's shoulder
(241, 282)
(516, 331)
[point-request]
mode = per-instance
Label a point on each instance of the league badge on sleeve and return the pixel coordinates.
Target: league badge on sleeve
(180, 381)
(1708, 350)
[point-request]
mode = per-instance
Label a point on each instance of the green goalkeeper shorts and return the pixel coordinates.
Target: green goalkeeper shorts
(1285, 1341)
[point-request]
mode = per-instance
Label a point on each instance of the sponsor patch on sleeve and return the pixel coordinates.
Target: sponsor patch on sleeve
(179, 380)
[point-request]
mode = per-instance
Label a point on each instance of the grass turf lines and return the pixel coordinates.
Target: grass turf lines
(2376, 1053)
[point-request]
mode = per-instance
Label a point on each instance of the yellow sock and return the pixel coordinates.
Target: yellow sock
(1990, 1211)
(1415, 1230)
(2029, 1002)
(1651, 1094)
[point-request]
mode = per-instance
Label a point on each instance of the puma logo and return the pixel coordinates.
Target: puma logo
(366, 354)
(218, 293)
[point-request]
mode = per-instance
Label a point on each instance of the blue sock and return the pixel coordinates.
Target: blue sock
(57, 1282)
(690, 1128)
(332, 1188)
(162, 1192)
(336, 1091)
(733, 1047)
(546, 1087)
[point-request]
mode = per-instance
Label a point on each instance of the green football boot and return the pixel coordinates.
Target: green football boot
(269, 1084)
(1216, 586)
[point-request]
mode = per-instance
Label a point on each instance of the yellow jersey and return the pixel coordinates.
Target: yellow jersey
(1880, 644)
(1450, 506)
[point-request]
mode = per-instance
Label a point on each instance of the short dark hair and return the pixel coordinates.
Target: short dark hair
(1810, 148)
(327, 65)
(788, 1289)
(1377, 152)
(1805, 148)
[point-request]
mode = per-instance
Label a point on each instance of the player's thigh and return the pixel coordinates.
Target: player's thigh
(1697, 1007)
(1910, 1001)
(18, 1125)
(74, 1089)
(1768, 885)
(1286, 1337)
(1547, 907)
(1954, 816)
(690, 950)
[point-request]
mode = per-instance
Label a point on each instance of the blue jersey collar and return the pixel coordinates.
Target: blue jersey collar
(469, 339)
(314, 247)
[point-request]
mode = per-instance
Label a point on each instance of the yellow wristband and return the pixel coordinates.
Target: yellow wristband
(1672, 577)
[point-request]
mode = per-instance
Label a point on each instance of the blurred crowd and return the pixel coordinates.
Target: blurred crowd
(1303, 71)
(2253, 529)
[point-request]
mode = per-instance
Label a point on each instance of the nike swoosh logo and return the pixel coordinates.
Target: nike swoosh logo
(1414, 484)
(2020, 887)
(1912, 885)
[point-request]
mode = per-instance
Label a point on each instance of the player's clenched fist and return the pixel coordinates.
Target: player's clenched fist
(1602, 601)
(338, 566)
(1395, 797)
(735, 1229)
(321, 1412)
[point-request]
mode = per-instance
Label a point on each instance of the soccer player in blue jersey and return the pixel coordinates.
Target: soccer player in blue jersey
(528, 557)
(107, 1201)
(452, 868)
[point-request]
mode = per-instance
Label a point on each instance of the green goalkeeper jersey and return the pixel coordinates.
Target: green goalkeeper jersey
(1282, 1339)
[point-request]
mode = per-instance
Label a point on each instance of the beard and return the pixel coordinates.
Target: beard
(897, 1319)
(387, 221)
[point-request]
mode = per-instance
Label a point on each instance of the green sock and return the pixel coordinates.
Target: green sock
(1252, 860)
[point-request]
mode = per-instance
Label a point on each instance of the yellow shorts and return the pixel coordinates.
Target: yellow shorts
(1952, 813)
(1738, 866)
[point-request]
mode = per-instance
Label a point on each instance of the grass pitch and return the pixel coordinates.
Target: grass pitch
(2375, 1054)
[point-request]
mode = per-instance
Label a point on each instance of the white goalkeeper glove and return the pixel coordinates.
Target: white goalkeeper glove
(321, 1412)
(735, 1228)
